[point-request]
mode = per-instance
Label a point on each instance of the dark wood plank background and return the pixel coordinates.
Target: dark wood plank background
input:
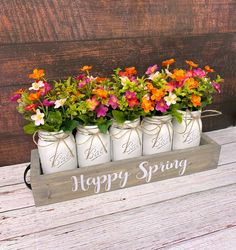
(61, 36)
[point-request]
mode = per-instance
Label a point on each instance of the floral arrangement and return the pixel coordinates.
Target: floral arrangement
(88, 100)
(40, 105)
(127, 90)
(192, 87)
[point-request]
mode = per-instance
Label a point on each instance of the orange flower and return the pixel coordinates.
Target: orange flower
(191, 83)
(34, 96)
(178, 74)
(191, 63)
(196, 100)
(86, 68)
(157, 94)
(130, 71)
(208, 69)
(147, 105)
(149, 86)
(168, 62)
(37, 74)
(78, 93)
(100, 93)
(101, 79)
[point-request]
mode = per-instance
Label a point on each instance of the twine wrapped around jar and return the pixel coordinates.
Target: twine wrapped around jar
(91, 137)
(52, 141)
(93, 147)
(157, 134)
(129, 131)
(126, 140)
(188, 133)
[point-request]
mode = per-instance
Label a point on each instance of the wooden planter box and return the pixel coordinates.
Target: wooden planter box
(81, 182)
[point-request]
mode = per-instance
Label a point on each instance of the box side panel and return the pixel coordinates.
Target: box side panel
(98, 179)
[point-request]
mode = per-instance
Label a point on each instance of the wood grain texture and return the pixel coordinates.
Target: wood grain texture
(62, 36)
(223, 239)
(78, 210)
(23, 21)
(57, 187)
(15, 148)
(182, 218)
(65, 58)
(18, 199)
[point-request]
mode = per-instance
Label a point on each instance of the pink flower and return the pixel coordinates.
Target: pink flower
(15, 97)
(84, 82)
(216, 86)
(80, 77)
(199, 73)
(161, 106)
(31, 107)
(47, 103)
(130, 95)
(151, 69)
(113, 101)
(132, 102)
(171, 86)
(44, 90)
(92, 103)
(101, 111)
(188, 74)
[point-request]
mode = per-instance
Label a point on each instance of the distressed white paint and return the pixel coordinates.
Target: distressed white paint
(124, 219)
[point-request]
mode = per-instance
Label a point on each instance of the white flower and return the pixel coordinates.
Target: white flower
(168, 72)
(59, 103)
(153, 76)
(37, 85)
(124, 80)
(170, 99)
(91, 78)
(38, 118)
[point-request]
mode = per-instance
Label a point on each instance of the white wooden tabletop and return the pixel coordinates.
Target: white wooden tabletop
(190, 212)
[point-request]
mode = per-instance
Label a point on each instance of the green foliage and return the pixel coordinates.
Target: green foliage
(30, 128)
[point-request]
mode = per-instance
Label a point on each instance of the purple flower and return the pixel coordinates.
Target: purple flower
(216, 86)
(161, 106)
(84, 82)
(133, 79)
(151, 69)
(44, 90)
(47, 103)
(80, 77)
(130, 95)
(113, 102)
(15, 97)
(101, 111)
(199, 73)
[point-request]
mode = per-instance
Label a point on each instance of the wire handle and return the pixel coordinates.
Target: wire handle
(28, 185)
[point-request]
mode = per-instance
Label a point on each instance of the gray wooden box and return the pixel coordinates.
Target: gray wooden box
(81, 182)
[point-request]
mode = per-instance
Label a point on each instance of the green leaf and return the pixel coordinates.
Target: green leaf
(54, 119)
(84, 118)
(118, 116)
(103, 127)
(69, 125)
(30, 128)
(176, 115)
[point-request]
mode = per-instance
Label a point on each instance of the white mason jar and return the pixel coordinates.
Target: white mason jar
(187, 134)
(57, 151)
(126, 140)
(157, 134)
(93, 147)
